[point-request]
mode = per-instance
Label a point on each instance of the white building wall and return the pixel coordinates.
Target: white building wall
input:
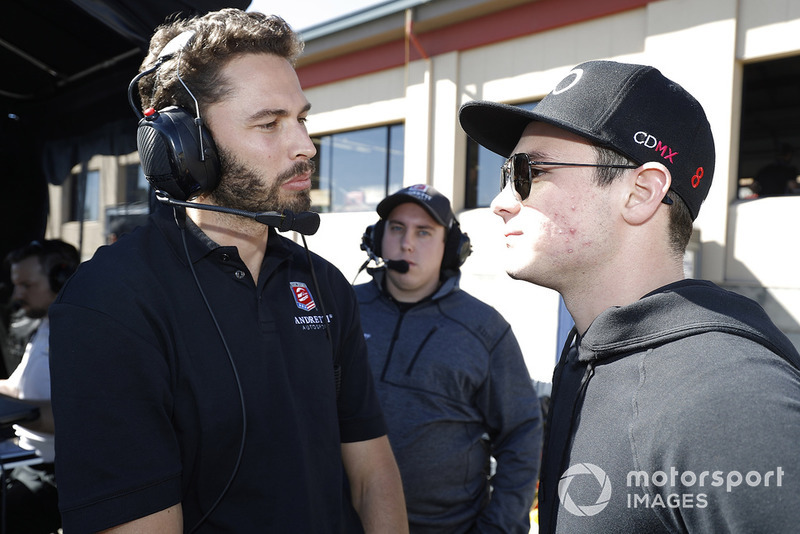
(699, 43)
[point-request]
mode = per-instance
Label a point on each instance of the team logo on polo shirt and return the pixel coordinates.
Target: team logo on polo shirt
(302, 296)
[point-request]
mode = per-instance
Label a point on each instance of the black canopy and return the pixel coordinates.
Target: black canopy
(63, 93)
(66, 65)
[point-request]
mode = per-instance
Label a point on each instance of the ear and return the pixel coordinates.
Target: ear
(647, 186)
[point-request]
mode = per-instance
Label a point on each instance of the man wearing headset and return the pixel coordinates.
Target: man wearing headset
(450, 375)
(202, 379)
(38, 271)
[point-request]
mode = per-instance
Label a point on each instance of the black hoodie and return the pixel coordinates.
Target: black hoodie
(677, 413)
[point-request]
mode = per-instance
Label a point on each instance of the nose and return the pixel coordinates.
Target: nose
(302, 145)
(406, 242)
(505, 204)
(17, 293)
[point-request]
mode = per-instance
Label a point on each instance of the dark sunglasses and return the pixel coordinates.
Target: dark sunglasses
(517, 169)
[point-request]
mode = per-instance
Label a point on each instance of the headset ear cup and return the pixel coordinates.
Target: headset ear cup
(169, 144)
(464, 248)
(456, 249)
(58, 276)
(373, 237)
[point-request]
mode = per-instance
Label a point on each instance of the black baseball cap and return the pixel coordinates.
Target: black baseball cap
(632, 109)
(435, 203)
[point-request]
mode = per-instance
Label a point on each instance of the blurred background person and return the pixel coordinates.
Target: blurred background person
(38, 271)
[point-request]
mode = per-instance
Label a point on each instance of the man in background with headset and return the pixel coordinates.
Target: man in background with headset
(450, 375)
(209, 374)
(38, 271)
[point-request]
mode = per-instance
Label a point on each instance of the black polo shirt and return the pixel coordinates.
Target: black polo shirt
(152, 391)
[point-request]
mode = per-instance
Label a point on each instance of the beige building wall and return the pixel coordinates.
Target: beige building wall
(89, 235)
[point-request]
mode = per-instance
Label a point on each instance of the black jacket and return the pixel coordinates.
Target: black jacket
(677, 413)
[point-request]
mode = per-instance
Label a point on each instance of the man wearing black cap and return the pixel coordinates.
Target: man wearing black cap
(450, 375)
(675, 404)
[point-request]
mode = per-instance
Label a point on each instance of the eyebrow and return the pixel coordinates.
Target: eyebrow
(416, 226)
(270, 112)
(539, 156)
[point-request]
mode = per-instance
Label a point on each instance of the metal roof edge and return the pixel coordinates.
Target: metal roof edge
(357, 18)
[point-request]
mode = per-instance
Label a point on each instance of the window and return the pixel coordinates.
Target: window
(769, 140)
(133, 200)
(135, 187)
(84, 196)
(357, 169)
(483, 172)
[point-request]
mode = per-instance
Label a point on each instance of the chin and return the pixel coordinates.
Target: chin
(514, 262)
(297, 201)
(35, 313)
(517, 274)
(521, 269)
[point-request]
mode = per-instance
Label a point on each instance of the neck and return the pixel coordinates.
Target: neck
(247, 235)
(618, 285)
(400, 293)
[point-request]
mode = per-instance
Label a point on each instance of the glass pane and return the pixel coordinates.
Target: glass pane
(84, 196)
(488, 176)
(136, 186)
(769, 139)
(91, 205)
(358, 169)
(321, 179)
(397, 151)
(355, 170)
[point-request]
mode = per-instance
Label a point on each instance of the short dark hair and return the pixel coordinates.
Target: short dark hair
(680, 218)
(219, 37)
(50, 252)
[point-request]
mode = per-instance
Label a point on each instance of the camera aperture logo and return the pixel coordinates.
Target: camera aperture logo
(584, 470)
(670, 488)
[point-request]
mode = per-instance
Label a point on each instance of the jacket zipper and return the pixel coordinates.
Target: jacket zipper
(395, 336)
(419, 351)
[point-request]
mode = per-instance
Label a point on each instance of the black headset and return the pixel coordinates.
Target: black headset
(59, 274)
(173, 161)
(58, 258)
(456, 247)
(177, 152)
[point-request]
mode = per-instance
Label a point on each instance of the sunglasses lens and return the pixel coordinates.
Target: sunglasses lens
(517, 169)
(521, 170)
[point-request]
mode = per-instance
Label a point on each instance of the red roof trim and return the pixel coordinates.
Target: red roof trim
(495, 27)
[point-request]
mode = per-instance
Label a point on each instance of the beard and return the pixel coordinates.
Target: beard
(242, 187)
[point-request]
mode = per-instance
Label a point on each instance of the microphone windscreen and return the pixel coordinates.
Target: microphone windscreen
(306, 222)
(401, 266)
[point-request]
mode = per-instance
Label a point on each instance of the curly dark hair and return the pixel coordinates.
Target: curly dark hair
(219, 37)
